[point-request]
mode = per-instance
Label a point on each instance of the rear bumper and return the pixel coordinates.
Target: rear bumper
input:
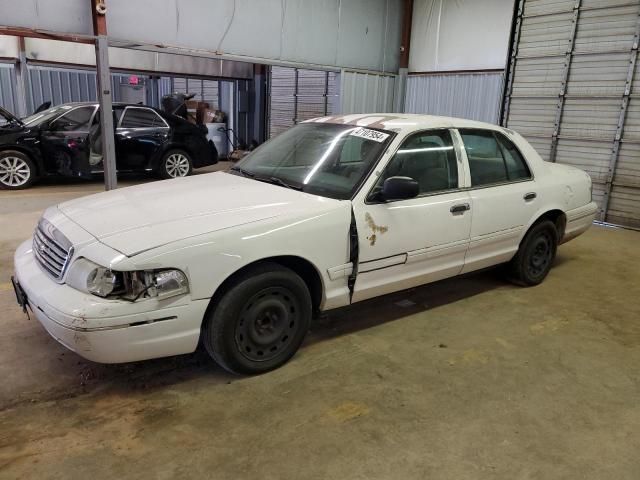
(108, 331)
(579, 220)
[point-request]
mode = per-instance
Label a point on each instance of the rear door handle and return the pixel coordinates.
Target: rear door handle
(530, 196)
(460, 208)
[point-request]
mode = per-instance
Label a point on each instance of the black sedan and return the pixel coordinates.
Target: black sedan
(65, 140)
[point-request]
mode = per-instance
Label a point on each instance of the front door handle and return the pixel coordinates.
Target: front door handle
(460, 208)
(530, 196)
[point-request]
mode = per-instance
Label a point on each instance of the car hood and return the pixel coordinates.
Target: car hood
(135, 219)
(9, 116)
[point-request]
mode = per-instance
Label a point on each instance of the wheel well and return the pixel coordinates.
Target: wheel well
(302, 267)
(558, 217)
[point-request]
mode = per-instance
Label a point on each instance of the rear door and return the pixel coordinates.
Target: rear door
(65, 141)
(503, 196)
(140, 136)
(404, 243)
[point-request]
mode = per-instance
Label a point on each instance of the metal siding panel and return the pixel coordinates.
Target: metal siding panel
(544, 7)
(546, 35)
(537, 76)
(628, 168)
(7, 87)
(591, 156)
(624, 206)
(598, 193)
(598, 74)
(590, 117)
(472, 96)
(210, 93)
(632, 122)
(282, 105)
(366, 92)
(311, 97)
(333, 91)
(594, 94)
(607, 29)
(533, 116)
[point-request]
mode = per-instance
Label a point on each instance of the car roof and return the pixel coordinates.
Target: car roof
(94, 104)
(402, 121)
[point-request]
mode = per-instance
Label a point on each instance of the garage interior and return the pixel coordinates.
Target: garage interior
(466, 378)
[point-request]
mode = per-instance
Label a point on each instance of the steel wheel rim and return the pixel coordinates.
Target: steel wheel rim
(177, 165)
(14, 171)
(268, 324)
(541, 254)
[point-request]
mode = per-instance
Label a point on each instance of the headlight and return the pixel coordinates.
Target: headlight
(101, 281)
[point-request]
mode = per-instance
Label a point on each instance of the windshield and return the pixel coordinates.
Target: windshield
(320, 158)
(38, 118)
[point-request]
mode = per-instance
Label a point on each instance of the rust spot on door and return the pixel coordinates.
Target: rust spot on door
(374, 229)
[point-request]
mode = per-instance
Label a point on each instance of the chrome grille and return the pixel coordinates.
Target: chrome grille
(51, 249)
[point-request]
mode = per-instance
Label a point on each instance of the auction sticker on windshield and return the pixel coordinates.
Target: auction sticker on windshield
(369, 134)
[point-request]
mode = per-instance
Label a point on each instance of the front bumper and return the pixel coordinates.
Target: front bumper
(108, 331)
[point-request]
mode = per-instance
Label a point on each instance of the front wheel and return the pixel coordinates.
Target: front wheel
(175, 163)
(260, 322)
(535, 256)
(17, 171)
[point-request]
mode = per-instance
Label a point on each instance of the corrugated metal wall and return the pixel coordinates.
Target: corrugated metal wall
(205, 90)
(474, 96)
(63, 85)
(7, 87)
(366, 92)
(297, 94)
(574, 93)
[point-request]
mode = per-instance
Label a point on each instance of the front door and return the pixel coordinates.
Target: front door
(65, 142)
(406, 243)
(139, 138)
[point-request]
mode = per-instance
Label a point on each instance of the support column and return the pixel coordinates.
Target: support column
(107, 127)
(613, 160)
(401, 80)
(22, 81)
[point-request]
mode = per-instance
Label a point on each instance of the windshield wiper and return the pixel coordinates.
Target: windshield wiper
(272, 180)
(244, 172)
(279, 181)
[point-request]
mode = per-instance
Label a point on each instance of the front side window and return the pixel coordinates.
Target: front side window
(141, 118)
(325, 159)
(492, 158)
(427, 157)
(75, 120)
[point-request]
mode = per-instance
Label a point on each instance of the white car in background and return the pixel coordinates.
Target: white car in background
(334, 211)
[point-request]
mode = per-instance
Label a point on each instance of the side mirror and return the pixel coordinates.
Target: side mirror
(400, 188)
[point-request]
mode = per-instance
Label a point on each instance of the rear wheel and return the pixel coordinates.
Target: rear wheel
(535, 256)
(175, 163)
(17, 171)
(260, 321)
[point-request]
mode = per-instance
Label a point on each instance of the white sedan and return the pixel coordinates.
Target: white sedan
(334, 211)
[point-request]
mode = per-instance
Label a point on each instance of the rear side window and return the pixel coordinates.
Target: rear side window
(75, 120)
(492, 158)
(141, 118)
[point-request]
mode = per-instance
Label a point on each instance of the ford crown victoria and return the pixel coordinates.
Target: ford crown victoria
(334, 211)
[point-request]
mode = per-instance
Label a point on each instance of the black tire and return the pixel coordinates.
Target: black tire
(175, 163)
(259, 322)
(17, 170)
(535, 256)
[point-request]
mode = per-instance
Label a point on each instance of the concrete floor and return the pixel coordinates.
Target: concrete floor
(465, 379)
